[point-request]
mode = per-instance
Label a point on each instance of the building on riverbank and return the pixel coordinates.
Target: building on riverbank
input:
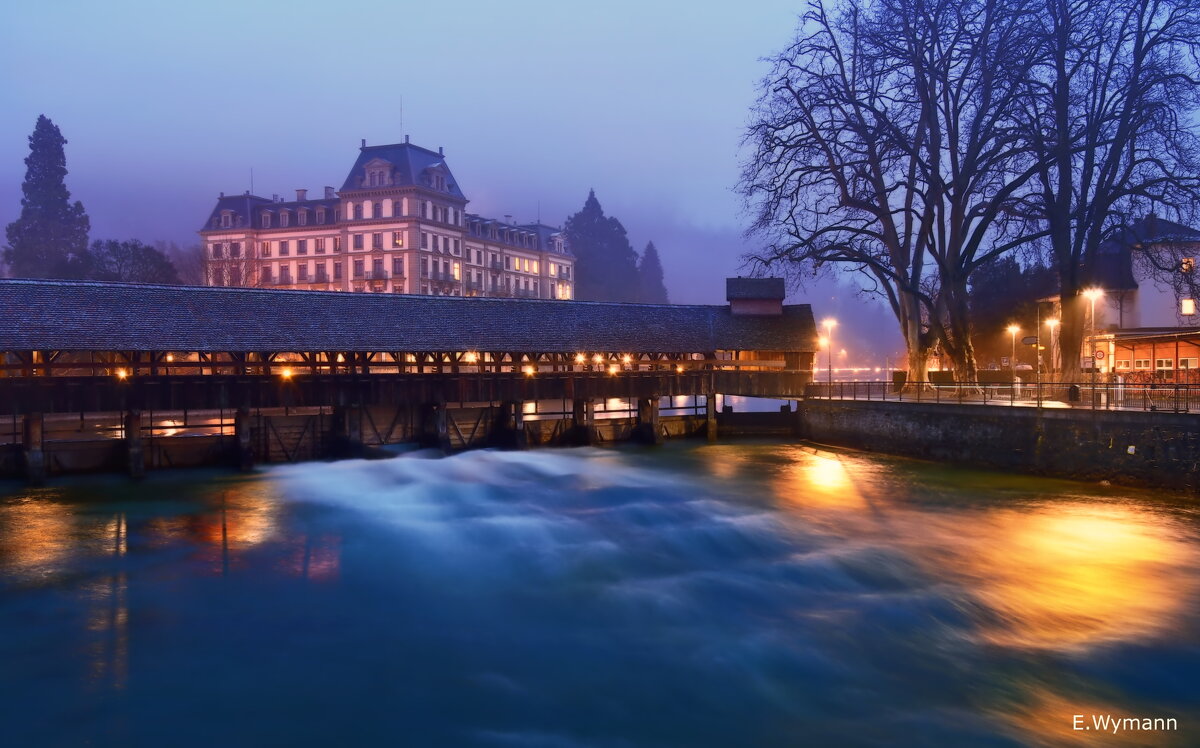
(398, 224)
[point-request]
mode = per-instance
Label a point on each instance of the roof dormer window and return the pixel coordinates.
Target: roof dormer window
(320, 215)
(302, 217)
(266, 220)
(283, 219)
(226, 220)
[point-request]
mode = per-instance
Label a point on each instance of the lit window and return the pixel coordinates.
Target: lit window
(397, 238)
(1187, 307)
(1188, 363)
(1187, 264)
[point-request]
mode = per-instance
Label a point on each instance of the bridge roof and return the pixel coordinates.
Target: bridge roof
(89, 316)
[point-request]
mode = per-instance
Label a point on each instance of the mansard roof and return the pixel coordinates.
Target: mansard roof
(410, 163)
(247, 211)
(90, 316)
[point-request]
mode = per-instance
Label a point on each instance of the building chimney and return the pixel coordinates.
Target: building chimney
(507, 218)
(274, 197)
(301, 195)
(329, 193)
(758, 296)
(440, 151)
(364, 142)
(406, 139)
(222, 194)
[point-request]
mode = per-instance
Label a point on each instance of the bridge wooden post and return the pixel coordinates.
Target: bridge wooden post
(347, 430)
(710, 417)
(435, 426)
(244, 445)
(133, 444)
(507, 430)
(649, 428)
(35, 458)
(583, 413)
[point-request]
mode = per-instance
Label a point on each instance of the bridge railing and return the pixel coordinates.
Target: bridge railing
(1156, 397)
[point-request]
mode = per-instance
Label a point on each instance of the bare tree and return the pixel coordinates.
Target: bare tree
(188, 261)
(883, 143)
(1107, 120)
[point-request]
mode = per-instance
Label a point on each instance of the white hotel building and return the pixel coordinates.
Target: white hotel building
(397, 225)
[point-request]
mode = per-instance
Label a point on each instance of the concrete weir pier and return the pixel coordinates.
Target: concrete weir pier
(137, 377)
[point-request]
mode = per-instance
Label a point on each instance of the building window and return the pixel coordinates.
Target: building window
(264, 275)
(424, 267)
(1141, 363)
(235, 249)
(337, 244)
(358, 241)
(301, 246)
(302, 272)
(337, 271)
(283, 248)
(424, 240)
(1187, 264)
(358, 211)
(264, 248)
(1164, 363)
(322, 277)
(377, 267)
(320, 215)
(283, 219)
(358, 269)
(1188, 363)
(457, 248)
(1187, 307)
(302, 217)
(377, 240)
(508, 263)
(424, 209)
(319, 245)
(398, 266)
(216, 251)
(397, 238)
(1123, 363)
(266, 220)
(378, 211)
(226, 220)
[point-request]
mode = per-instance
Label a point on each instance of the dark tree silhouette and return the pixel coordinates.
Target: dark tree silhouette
(129, 262)
(49, 239)
(650, 273)
(1108, 122)
(606, 265)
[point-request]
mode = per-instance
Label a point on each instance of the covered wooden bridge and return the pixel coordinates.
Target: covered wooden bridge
(74, 350)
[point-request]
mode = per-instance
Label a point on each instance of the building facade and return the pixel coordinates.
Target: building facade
(397, 225)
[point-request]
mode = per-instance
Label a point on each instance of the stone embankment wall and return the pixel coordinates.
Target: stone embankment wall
(1130, 447)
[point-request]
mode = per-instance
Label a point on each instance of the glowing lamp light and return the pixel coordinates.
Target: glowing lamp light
(527, 371)
(580, 358)
(829, 322)
(471, 357)
(678, 369)
(1013, 329)
(1091, 294)
(286, 373)
(626, 359)
(598, 359)
(822, 341)
(170, 357)
(1052, 323)
(121, 373)
(613, 369)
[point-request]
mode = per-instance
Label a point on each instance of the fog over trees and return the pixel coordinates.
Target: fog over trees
(914, 142)
(607, 268)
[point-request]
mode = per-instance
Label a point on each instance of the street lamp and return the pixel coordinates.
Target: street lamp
(1091, 294)
(1012, 331)
(830, 323)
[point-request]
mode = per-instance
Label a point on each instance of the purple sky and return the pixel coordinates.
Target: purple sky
(167, 104)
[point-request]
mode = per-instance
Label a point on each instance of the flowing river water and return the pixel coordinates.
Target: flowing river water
(726, 595)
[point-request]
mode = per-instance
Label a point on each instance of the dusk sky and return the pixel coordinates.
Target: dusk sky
(165, 105)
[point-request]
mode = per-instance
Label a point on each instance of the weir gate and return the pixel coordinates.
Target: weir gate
(103, 376)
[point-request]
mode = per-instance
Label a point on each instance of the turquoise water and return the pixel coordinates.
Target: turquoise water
(730, 595)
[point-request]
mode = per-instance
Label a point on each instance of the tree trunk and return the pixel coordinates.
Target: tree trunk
(1072, 331)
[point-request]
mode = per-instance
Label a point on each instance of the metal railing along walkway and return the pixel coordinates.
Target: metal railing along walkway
(1158, 397)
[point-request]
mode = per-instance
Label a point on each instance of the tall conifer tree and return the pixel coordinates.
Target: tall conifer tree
(650, 272)
(49, 239)
(606, 265)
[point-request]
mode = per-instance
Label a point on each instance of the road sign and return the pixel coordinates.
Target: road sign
(1099, 355)
(1029, 340)
(1004, 360)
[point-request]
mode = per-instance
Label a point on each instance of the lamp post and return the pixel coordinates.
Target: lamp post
(1012, 331)
(1091, 295)
(830, 323)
